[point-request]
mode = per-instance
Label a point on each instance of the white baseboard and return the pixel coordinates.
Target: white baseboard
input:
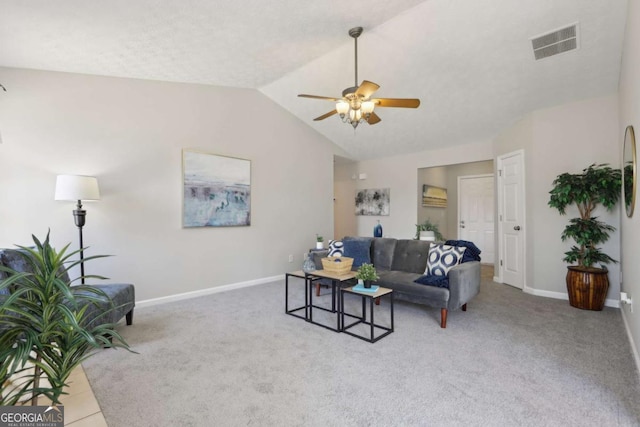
(561, 295)
(208, 291)
(497, 279)
(634, 347)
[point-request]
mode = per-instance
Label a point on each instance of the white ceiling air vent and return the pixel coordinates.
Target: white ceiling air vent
(555, 42)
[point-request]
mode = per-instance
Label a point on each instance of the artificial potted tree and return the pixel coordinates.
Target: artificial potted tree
(587, 284)
(367, 273)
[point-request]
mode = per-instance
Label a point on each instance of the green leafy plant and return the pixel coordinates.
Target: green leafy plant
(44, 329)
(319, 238)
(596, 185)
(427, 225)
(367, 272)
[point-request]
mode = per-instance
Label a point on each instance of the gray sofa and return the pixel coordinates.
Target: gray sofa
(121, 295)
(399, 262)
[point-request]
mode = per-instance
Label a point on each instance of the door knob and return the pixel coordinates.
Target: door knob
(517, 228)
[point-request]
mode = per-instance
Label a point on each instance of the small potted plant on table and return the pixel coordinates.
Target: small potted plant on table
(367, 273)
(319, 242)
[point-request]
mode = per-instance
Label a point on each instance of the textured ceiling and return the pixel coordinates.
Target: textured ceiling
(469, 62)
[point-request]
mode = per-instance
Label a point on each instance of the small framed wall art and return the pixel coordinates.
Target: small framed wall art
(373, 202)
(434, 197)
(216, 190)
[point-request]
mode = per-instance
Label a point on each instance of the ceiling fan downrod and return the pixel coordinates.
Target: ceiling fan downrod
(355, 33)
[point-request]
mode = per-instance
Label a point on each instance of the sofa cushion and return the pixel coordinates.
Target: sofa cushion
(443, 258)
(403, 283)
(438, 281)
(410, 256)
(358, 248)
(336, 248)
(15, 260)
(382, 252)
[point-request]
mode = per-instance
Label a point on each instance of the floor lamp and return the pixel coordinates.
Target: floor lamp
(78, 188)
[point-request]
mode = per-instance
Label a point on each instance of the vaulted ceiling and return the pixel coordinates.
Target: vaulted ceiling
(470, 62)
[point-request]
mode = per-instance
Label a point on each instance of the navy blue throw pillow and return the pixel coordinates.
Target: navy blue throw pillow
(359, 250)
(438, 281)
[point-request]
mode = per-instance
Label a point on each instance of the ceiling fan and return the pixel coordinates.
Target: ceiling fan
(356, 105)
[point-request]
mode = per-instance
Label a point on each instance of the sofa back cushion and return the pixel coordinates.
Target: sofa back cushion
(411, 256)
(382, 250)
(15, 260)
(358, 248)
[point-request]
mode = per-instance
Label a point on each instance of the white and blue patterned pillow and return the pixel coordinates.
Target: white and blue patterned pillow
(336, 248)
(443, 258)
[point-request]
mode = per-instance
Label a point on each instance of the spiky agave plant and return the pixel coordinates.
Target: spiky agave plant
(45, 329)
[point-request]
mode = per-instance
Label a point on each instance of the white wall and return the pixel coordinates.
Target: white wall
(400, 174)
(130, 134)
(565, 138)
(629, 91)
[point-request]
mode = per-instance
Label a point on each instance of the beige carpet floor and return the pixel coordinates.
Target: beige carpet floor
(236, 359)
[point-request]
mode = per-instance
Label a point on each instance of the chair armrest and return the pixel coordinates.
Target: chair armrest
(464, 284)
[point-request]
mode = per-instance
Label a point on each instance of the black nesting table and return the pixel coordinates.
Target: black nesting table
(371, 297)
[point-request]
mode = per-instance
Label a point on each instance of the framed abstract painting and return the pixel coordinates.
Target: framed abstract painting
(373, 201)
(216, 190)
(434, 197)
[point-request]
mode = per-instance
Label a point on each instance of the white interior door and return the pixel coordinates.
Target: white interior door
(511, 217)
(476, 214)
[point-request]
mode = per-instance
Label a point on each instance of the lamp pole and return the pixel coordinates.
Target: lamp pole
(79, 216)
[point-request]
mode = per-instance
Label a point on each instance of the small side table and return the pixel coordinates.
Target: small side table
(337, 281)
(371, 296)
(307, 283)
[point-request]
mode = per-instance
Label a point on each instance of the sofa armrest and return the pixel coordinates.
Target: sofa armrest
(317, 255)
(464, 284)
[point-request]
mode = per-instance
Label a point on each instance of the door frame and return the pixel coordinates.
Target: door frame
(484, 175)
(499, 236)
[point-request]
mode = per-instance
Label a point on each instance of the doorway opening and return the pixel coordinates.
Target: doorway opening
(446, 215)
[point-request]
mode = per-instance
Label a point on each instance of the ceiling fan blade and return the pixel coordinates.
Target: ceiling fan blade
(324, 116)
(319, 97)
(397, 102)
(367, 88)
(373, 119)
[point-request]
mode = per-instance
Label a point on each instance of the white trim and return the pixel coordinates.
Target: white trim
(561, 295)
(634, 347)
(208, 291)
(497, 279)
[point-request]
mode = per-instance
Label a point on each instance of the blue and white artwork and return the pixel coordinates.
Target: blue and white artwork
(217, 190)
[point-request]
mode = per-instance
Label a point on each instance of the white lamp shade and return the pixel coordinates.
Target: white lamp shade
(77, 187)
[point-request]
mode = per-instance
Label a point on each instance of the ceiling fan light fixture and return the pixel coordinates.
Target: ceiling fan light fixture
(357, 104)
(342, 107)
(367, 107)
